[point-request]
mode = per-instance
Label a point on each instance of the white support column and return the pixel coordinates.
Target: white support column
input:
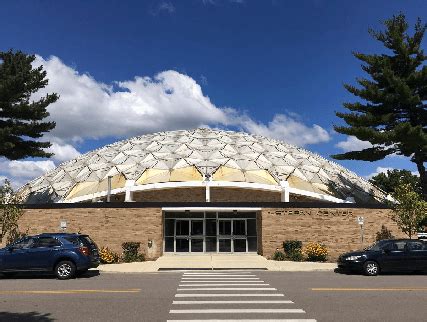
(128, 191)
(208, 190)
(285, 191)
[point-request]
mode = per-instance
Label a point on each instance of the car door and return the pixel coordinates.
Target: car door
(417, 254)
(43, 253)
(395, 256)
(15, 257)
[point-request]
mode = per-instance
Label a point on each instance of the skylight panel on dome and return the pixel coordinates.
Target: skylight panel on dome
(192, 161)
(284, 170)
(276, 161)
(154, 176)
(185, 174)
(153, 146)
(224, 173)
(207, 167)
(181, 163)
(225, 139)
(263, 162)
(259, 176)
(247, 164)
(183, 150)
(119, 158)
(83, 174)
(215, 144)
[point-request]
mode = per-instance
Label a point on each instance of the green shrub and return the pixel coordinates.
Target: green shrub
(130, 252)
(296, 256)
(290, 246)
(384, 233)
(292, 250)
(278, 256)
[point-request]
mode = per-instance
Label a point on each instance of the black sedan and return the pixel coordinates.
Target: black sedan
(387, 256)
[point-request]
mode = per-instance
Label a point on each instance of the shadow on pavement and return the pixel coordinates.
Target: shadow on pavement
(339, 271)
(27, 275)
(28, 316)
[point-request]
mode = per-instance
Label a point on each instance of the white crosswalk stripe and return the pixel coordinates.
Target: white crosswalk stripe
(248, 295)
(226, 284)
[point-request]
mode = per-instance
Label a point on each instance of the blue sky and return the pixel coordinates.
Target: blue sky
(268, 67)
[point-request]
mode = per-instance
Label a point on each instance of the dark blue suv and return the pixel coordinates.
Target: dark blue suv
(66, 255)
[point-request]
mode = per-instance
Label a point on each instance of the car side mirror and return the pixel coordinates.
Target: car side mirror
(386, 251)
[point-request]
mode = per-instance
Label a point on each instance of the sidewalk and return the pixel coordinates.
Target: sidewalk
(216, 262)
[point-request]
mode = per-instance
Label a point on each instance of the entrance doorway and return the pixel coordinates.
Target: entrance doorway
(210, 232)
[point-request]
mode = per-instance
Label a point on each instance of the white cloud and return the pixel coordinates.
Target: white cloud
(168, 101)
(29, 169)
(19, 172)
(90, 109)
(352, 143)
(288, 129)
(63, 152)
(378, 171)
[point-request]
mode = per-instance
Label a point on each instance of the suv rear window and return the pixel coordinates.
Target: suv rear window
(74, 240)
(80, 240)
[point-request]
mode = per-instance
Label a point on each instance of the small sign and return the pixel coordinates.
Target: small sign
(360, 220)
(63, 225)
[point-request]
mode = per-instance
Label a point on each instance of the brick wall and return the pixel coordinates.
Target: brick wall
(336, 228)
(199, 195)
(172, 195)
(245, 195)
(106, 226)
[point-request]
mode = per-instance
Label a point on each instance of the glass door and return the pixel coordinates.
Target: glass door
(224, 236)
(196, 237)
(182, 236)
(239, 236)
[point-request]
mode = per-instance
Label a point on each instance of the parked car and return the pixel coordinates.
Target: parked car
(65, 255)
(387, 256)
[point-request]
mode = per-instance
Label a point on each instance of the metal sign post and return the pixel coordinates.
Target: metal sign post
(360, 221)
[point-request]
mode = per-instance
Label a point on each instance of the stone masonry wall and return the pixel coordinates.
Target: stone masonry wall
(336, 228)
(106, 226)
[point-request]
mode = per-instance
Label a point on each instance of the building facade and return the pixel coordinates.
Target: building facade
(205, 191)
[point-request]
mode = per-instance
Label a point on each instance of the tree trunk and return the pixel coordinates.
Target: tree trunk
(423, 175)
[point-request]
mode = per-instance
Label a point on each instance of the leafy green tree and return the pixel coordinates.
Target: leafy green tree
(21, 118)
(410, 210)
(392, 113)
(10, 212)
(390, 180)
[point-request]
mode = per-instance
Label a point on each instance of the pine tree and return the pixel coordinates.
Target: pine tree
(392, 113)
(21, 118)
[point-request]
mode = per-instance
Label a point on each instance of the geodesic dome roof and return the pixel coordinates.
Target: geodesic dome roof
(198, 155)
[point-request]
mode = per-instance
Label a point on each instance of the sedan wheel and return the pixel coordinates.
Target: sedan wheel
(371, 268)
(65, 270)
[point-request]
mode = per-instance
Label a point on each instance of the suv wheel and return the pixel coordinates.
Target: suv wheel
(371, 268)
(65, 270)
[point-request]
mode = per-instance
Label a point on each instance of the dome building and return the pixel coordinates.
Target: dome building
(205, 190)
(201, 159)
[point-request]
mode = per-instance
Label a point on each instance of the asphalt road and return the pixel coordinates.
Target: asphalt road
(258, 295)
